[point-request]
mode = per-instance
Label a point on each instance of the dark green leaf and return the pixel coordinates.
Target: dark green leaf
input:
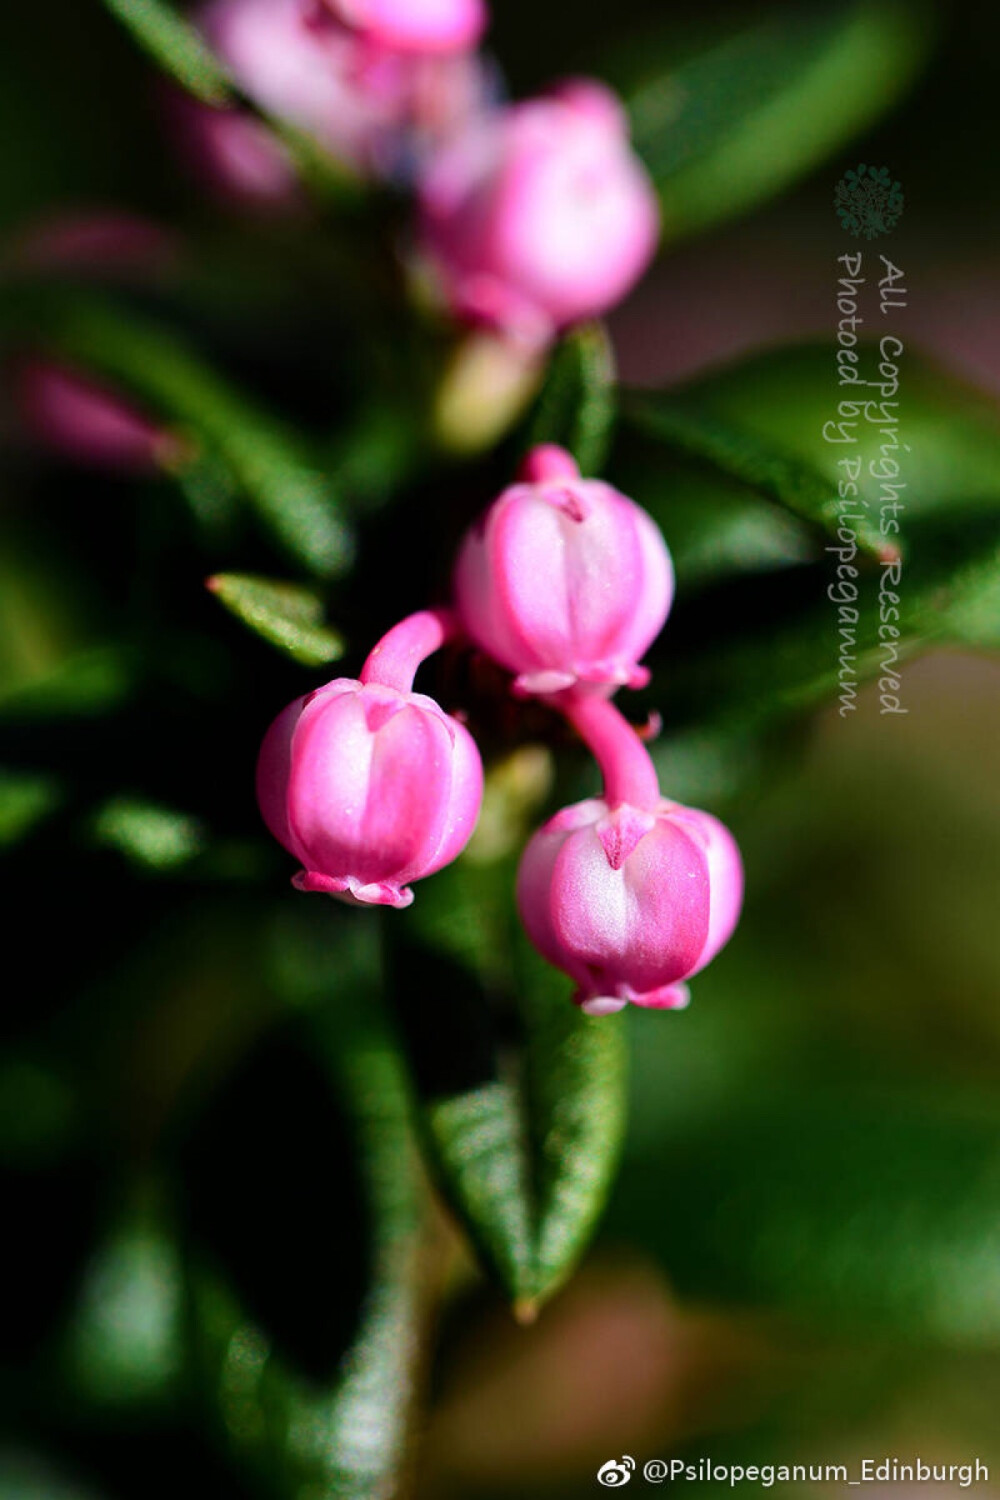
(92, 683)
(268, 462)
(26, 798)
(762, 423)
(524, 1148)
(576, 1096)
(306, 1240)
(576, 406)
(285, 614)
(948, 590)
(475, 1141)
(180, 50)
(175, 44)
(731, 123)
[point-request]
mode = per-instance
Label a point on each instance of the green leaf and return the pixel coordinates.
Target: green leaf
(124, 1343)
(86, 685)
(869, 1211)
(181, 51)
(948, 589)
(286, 614)
(736, 121)
(576, 405)
(26, 799)
(575, 1086)
(148, 835)
(524, 1147)
(308, 1282)
(176, 46)
(270, 465)
(761, 423)
(475, 1144)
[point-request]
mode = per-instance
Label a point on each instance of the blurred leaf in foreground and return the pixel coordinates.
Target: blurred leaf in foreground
(775, 423)
(733, 122)
(174, 43)
(270, 464)
(304, 1224)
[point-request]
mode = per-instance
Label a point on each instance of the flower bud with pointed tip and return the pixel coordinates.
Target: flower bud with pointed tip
(540, 215)
(370, 788)
(629, 902)
(564, 579)
(88, 422)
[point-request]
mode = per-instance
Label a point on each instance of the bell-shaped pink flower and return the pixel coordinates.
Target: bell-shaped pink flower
(629, 894)
(88, 422)
(369, 784)
(630, 903)
(564, 579)
(423, 26)
(541, 215)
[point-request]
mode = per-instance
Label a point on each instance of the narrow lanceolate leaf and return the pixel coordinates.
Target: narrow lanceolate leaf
(782, 425)
(576, 406)
(268, 463)
(475, 1138)
(576, 1094)
(523, 1144)
(303, 1226)
(286, 614)
(947, 590)
(727, 124)
(176, 46)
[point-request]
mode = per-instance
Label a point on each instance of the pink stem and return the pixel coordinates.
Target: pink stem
(629, 773)
(394, 661)
(547, 462)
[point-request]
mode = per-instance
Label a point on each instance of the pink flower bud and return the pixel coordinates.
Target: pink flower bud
(234, 155)
(89, 423)
(630, 903)
(98, 243)
(369, 784)
(427, 26)
(541, 215)
(373, 104)
(629, 894)
(318, 78)
(564, 579)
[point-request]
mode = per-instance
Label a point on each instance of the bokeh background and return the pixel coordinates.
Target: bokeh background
(800, 1260)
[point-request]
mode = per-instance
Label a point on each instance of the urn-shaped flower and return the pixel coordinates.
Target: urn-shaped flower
(630, 903)
(564, 579)
(370, 788)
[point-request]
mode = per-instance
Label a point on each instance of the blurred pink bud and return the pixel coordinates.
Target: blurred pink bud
(87, 422)
(371, 105)
(369, 784)
(98, 243)
(234, 155)
(564, 579)
(541, 214)
(628, 902)
(427, 26)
